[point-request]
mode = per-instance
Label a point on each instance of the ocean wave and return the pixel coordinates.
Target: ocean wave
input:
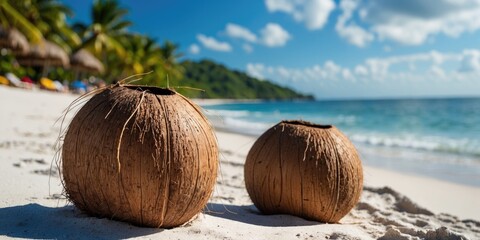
(238, 125)
(462, 146)
(254, 128)
(340, 120)
(424, 143)
(255, 123)
(228, 113)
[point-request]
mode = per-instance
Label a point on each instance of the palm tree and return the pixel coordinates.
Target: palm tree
(107, 26)
(50, 18)
(170, 65)
(106, 37)
(11, 17)
(142, 54)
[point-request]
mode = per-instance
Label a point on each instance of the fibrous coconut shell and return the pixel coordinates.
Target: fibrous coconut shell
(144, 155)
(303, 169)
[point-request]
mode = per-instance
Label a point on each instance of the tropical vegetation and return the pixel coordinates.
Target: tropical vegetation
(122, 52)
(207, 79)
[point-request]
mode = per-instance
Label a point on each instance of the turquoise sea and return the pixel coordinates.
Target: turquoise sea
(435, 137)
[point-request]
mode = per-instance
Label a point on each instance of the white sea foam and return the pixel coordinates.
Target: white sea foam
(345, 119)
(426, 143)
(358, 128)
(246, 127)
(228, 113)
(227, 120)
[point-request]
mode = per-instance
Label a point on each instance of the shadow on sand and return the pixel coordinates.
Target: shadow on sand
(251, 215)
(34, 221)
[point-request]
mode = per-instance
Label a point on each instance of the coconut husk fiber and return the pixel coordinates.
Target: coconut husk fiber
(304, 169)
(144, 155)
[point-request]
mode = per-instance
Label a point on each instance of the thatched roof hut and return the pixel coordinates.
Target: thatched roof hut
(84, 61)
(14, 40)
(45, 53)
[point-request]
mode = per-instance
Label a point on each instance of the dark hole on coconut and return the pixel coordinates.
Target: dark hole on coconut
(307, 124)
(152, 90)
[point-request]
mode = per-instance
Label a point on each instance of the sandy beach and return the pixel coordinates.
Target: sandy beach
(32, 204)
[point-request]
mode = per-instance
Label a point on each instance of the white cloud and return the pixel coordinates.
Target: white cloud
(378, 68)
(237, 31)
(437, 71)
(413, 22)
(447, 16)
(332, 68)
(213, 44)
(349, 29)
(314, 13)
(409, 33)
(437, 57)
(273, 35)
(361, 71)
(287, 6)
(409, 22)
(194, 49)
(256, 70)
(285, 73)
(247, 48)
(427, 69)
(354, 34)
(347, 75)
(470, 61)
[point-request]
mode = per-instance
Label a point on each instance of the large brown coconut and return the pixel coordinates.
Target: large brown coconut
(144, 155)
(303, 169)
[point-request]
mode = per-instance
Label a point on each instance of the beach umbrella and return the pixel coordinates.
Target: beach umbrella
(79, 86)
(28, 80)
(14, 80)
(84, 61)
(45, 54)
(48, 84)
(14, 40)
(4, 81)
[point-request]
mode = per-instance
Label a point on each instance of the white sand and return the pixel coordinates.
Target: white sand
(32, 204)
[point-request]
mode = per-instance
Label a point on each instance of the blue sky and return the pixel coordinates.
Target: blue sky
(332, 49)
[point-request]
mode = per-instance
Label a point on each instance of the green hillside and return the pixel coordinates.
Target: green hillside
(220, 82)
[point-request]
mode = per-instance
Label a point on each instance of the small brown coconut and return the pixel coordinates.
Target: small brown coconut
(304, 169)
(144, 155)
